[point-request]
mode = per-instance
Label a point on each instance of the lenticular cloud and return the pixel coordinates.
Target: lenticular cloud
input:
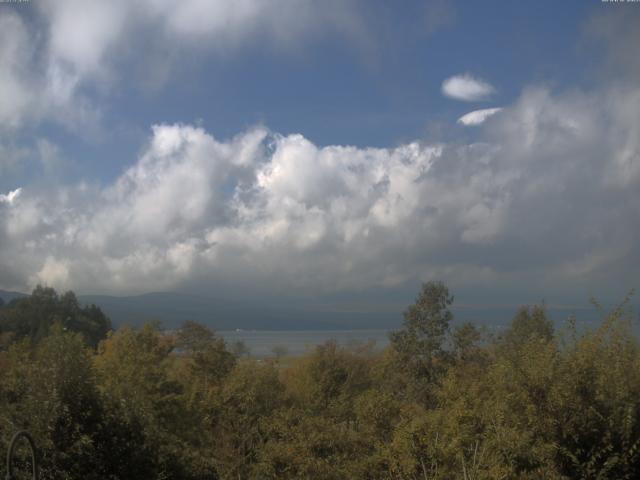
(467, 88)
(477, 117)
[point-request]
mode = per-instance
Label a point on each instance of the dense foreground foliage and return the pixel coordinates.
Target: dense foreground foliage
(440, 402)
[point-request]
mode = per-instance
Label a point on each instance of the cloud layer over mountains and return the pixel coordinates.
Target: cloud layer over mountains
(549, 193)
(544, 195)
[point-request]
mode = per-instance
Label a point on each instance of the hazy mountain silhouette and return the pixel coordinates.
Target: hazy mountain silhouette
(171, 309)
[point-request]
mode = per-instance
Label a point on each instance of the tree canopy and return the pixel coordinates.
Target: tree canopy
(34, 316)
(442, 401)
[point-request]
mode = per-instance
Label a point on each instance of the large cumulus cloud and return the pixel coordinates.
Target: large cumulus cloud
(545, 198)
(549, 194)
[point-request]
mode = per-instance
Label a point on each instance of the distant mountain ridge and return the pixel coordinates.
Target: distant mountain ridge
(171, 309)
(7, 296)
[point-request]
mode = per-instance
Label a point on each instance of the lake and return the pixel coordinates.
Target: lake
(297, 342)
(262, 342)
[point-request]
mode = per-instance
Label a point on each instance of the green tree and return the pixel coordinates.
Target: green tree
(279, 351)
(237, 426)
(240, 349)
(595, 402)
(208, 357)
(303, 446)
(33, 317)
(466, 338)
(133, 371)
(50, 390)
(420, 346)
(328, 380)
(529, 323)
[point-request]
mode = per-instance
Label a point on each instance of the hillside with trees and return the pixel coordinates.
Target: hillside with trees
(439, 403)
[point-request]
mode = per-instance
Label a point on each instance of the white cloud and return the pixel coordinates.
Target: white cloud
(16, 94)
(11, 197)
(81, 33)
(53, 272)
(467, 88)
(477, 117)
(549, 190)
(35, 86)
(90, 40)
(61, 62)
(541, 196)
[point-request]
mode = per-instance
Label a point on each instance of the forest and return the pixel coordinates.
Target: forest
(442, 401)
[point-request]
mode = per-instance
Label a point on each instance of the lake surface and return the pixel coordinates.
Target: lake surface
(262, 342)
(297, 342)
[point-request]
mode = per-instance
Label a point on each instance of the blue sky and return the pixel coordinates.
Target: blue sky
(307, 149)
(378, 91)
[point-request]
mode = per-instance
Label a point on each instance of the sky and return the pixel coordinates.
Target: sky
(336, 151)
